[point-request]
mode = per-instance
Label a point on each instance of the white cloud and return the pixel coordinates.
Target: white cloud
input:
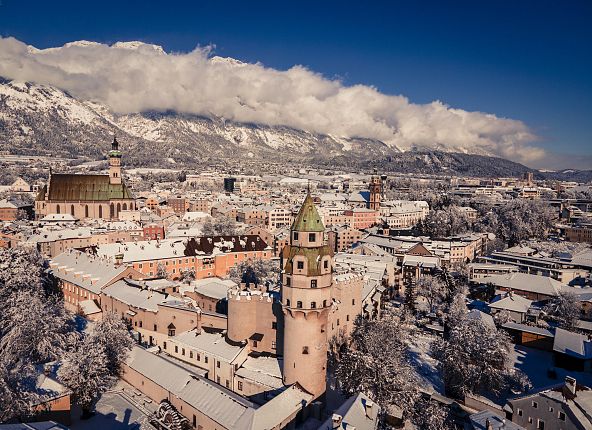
(135, 77)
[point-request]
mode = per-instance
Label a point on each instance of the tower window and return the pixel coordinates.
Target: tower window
(287, 281)
(299, 304)
(313, 305)
(287, 302)
(295, 235)
(312, 237)
(326, 264)
(305, 349)
(300, 265)
(324, 303)
(313, 283)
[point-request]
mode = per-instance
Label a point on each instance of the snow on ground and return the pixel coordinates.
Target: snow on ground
(419, 348)
(535, 363)
(118, 409)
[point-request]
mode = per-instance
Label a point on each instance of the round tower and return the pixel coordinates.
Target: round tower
(306, 301)
(115, 163)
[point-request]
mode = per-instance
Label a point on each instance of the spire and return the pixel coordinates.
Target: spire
(115, 144)
(308, 218)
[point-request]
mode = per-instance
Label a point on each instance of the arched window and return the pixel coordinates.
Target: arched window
(86, 211)
(299, 304)
(72, 210)
(112, 211)
(313, 305)
(100, 211)
(58, 209)
(287, 302)
(118, 208)
(324, 303)
(125, 206)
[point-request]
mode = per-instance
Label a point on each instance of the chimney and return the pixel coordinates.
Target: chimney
(118, 259)
(570, 385)
(369, 407)
(337, 421)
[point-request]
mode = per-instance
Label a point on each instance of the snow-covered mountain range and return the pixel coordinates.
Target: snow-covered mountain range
(43, 120)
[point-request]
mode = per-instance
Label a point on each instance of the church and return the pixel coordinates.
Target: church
(87, 196)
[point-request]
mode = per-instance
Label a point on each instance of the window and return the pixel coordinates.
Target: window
(274, 325)
(171, 331)
(550, 409)
(206, 359)
(176, 349)
(313, 305)
(254, 344)
(287, 281)
(353, 302)
(561, 416)
(324, 303)
(294, 235)
(183, 351)
(218, 379)
(299, 304)
(535, 405)
(227, 383)
(305, 349)
(194, 421)
(164, 345)
(287, 302)
(218, 364)
(540, 425)
(240, 385)
(300, 265)
(312, 237)
(190, 354)
(155, 327)
(326, 264)
(313, 283)
(337, 322)
(347, 317)
(273, 344)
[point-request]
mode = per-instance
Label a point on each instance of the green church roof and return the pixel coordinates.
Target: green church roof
(308, 218)
(67, 187)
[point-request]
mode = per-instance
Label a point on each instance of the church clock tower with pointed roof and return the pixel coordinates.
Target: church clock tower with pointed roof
(115, 163)
(306, 300)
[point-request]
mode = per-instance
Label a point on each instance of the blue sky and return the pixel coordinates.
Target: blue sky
(524, 60)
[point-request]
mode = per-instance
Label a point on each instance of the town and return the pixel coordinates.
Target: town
(300, 297)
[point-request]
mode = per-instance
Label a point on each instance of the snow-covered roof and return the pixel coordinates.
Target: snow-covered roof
(210, 343)
(480, 420)
(357, 412)
(262, 370)
(89, 272)
(573, 344)
(512, 302)
(215, 288)
(526, 282)
(136, 297)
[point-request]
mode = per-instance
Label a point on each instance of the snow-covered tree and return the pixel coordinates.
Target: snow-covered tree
(376, 362)
(564, 309)
(256, 271)
(94, 366)
(87, 374)
(219, 226)
(112, 333)
(161, 271)
(448, 221)
(188, 275)
(457, 309)
(476, 357)
(432, 290)
(34, 328)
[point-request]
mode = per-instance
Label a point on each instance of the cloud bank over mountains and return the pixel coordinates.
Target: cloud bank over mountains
(132, 77)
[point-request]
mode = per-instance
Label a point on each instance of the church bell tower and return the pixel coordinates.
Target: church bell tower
(115, 163)
(306, 301)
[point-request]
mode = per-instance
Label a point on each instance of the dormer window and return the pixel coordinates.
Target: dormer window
(300, 265)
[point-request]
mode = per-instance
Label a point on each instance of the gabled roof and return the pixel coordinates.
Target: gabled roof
(526, 282)
(68, 187)
(308, 218)
(512, 302)
(573, 344)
